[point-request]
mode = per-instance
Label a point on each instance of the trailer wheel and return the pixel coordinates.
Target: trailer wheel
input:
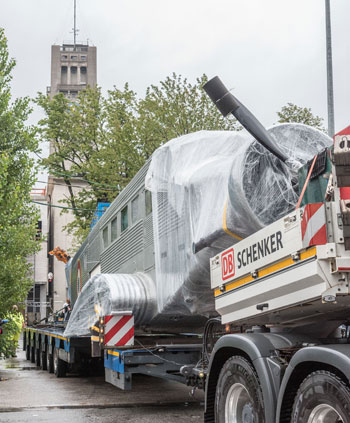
(28, 352)
(37, 355)
(43, 360)
(60, 366)
(322, 398)
(238, 395)
(49, 361)
(24, 339)
(32, 354)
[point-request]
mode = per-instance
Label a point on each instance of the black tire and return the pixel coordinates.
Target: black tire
(60, 366)
(28, 352)
(37, 355)
(49, 361)
(32, 354)
(24, 339)
(43, 362)
(238, 379)
(322, 391)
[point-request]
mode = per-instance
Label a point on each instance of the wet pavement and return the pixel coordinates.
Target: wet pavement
(28, 394)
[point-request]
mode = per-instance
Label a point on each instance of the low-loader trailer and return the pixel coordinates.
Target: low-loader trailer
(278, 349)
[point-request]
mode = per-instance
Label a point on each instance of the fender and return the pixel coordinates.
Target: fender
(260, 349)
(335, 355)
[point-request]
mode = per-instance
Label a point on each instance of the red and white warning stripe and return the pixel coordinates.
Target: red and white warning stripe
(313, 225)
(119, 330)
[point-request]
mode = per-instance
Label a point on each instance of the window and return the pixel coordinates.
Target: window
(83, 75)
(124, 218)
(64, 57)
(105, 237)
(83, 57)
(114, 229)
(148, 202)
(33, 299)
(135, 210)
(63, 74)
(38, 230)
(74, 57)
(73, 74)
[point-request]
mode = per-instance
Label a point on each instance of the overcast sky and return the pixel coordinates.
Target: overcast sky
(269, 51)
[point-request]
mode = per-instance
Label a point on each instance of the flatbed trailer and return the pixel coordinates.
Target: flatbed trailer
(48, 348)
(160, 356)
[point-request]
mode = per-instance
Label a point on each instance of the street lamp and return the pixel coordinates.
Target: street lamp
(330, 97)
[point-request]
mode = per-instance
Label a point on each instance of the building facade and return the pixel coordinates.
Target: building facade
(38, 297)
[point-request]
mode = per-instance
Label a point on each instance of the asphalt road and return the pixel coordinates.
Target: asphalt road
(28, 394)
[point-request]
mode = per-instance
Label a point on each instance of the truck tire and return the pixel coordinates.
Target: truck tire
(24, 339)
(49, 361)
(60, 366)
(32, 354)
(28, 352)
(322, 397)
(37, 355)
(238, 394)
(43, 361)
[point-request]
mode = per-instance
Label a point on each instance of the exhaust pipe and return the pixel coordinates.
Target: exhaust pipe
(228, 103)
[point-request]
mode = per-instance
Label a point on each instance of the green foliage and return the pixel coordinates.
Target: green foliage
(174, 108)
(105, 141)
(295, 114)
(11, 332)
(18, 216)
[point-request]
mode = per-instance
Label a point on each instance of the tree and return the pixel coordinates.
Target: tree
(92, 142)
(105, 141)
(176, 107)
(295, 114)
(18, 216)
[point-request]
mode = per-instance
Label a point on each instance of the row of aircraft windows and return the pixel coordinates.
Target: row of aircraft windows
(121, 222)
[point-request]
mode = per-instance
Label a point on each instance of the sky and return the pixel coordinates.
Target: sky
(269, 52)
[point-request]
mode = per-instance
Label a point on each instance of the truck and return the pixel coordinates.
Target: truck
(232, 278)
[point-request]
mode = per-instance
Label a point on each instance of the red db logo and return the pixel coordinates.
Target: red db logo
(228, 264)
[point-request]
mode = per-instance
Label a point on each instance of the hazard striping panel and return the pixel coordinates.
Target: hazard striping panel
(119, 330)
(313, 225)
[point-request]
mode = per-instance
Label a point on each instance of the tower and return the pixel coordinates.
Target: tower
(73, 68)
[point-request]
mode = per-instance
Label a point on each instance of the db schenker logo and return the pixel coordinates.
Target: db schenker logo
(228, 264)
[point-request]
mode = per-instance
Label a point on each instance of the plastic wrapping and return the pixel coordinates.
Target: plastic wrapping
(209, 189)
(106, 293)
(207, 184)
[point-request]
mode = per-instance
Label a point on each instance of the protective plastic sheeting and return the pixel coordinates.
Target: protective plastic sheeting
(207, 184)
(105, 293)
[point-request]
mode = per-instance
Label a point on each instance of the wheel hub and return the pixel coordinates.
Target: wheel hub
(238, 406)
(324, 413)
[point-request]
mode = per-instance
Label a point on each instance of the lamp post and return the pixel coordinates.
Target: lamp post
(330, 97)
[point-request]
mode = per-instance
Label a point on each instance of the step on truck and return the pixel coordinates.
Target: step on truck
(273, 346)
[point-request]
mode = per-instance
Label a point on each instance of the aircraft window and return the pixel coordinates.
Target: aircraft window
(148, 202)
(105, 237)
(124, 218)
(135, 209)
(114, 229)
